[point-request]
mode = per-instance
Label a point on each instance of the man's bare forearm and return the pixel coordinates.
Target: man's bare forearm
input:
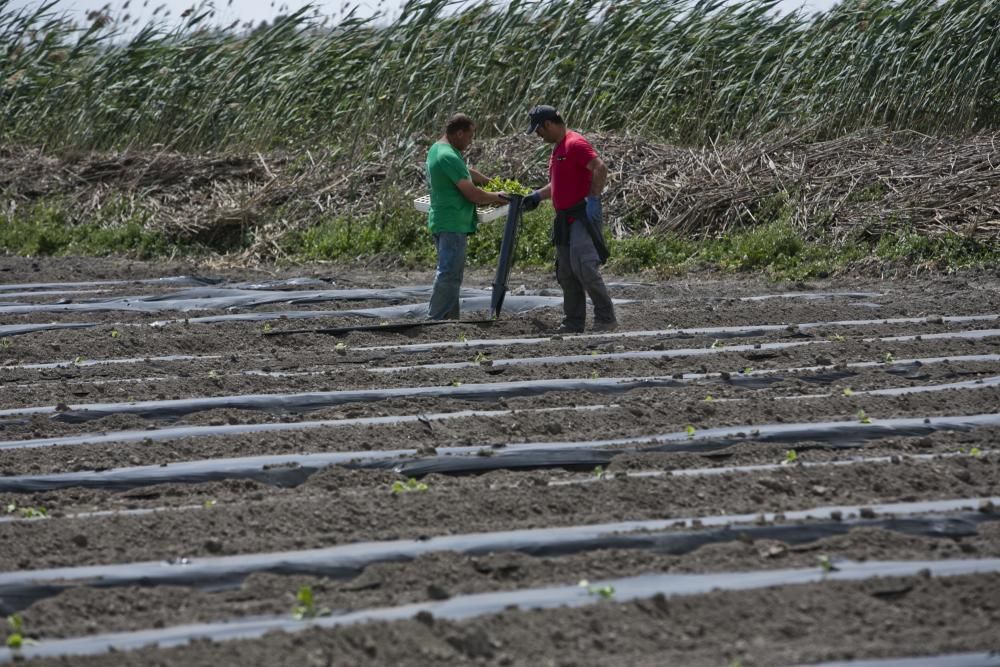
(600, 177)
(477, 177)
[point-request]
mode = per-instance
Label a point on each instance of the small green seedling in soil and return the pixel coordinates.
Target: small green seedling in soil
(210, 503)
(594, 375)
(340, 348)
(480, 358)
(604, 591)
(837, 338)
(824, 562)
(599, 472)
(33, 512)
(690, 430)
(306, 608)
(791, 457)
(28, 512)
(748, 370)
(863, 418)
(889, 358)
(456, 383)
(461, 337)
(214, 374)
(709, 398)
(78, 360)
(716, 344)
(115, 333)
(5, 343)
(16, 639)
(975, 452)
(848, 391)
(267, 327)
(409, 485)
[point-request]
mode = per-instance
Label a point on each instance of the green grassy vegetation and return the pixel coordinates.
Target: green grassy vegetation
(774, 248)
(678, 70)
(47, 228)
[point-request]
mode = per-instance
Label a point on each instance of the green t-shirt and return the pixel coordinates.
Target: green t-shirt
(450, 210)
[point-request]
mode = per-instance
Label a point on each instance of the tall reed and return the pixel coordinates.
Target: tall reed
(688, 71)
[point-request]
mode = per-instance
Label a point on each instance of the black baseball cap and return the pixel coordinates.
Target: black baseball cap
(539, 115)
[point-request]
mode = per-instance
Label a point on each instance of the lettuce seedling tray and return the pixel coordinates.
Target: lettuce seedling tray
(484, 213)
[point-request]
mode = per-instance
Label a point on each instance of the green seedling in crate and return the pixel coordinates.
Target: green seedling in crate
(508, 185)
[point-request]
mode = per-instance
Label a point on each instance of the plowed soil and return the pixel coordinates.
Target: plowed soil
(75, 400)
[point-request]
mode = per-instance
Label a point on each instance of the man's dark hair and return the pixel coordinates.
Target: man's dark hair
(458, 123)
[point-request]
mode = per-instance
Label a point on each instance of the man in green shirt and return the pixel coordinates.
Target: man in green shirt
(454, 196)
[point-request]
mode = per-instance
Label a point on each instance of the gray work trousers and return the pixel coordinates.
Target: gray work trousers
(579, 276)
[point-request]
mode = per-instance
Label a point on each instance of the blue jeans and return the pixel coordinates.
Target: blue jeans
(448, 279)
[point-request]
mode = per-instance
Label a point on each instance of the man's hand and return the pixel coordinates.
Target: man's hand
(594, 212)
(532, 201)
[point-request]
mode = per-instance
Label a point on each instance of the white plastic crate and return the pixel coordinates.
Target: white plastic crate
(484, 213)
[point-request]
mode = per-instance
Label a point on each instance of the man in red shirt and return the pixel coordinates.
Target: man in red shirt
(576, 179)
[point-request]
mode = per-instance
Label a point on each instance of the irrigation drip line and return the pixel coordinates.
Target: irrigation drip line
(294, 469)
(591, 478)
(809, 296)
(804, 437)
(668, 354)
(386, 327)
(742, 470)
(991, 659)
(21, 589)
(416, 311)
(303, 402)
(464, 607)
(717, 332)
(177, 432)
(173, 281)
(20, 329)
(219, 298)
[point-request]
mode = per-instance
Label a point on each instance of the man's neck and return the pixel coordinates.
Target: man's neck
(447, 140)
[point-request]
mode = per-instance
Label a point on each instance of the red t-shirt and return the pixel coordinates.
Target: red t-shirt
(568, 171)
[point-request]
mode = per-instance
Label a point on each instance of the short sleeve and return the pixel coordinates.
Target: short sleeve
(581, 152)
(454, 167)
